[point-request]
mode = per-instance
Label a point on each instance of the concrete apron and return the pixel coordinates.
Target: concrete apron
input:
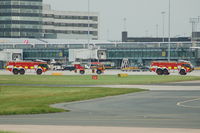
(89, 129)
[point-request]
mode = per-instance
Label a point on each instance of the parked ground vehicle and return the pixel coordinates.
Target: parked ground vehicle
(80, 68)
(56, 66)
(133, 69)
(70, 68)
(20, 67)
(107, 65)
(99, 68)
(164, 67)
(144, 68)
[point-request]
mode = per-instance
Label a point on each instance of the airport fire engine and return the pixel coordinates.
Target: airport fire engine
(99, 68)
(164, 68)
(21, 67)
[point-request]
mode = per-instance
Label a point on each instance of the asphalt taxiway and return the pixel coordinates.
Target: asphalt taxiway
(169, 107)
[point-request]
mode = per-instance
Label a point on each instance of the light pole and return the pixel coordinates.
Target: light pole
(163, 19)
(88, 23)
(125, 24)
(169, 30)
(157, 30)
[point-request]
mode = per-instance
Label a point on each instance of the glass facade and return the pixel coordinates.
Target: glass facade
(146, 55)
(21, 18)
(45, 54)
(67, 24)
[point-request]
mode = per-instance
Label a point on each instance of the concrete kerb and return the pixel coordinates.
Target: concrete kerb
(89, 129)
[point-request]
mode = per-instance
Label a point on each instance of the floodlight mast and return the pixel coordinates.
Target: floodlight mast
(125, 24)
(89, 30)
(169, 31)
(163, 19)
(88, 23)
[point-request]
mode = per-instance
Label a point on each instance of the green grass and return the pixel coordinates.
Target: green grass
(35, 100)
(86, 79)
(5, 132)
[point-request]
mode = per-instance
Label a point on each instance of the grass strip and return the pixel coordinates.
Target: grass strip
(36, 100)
(6, 132)
(87, 80)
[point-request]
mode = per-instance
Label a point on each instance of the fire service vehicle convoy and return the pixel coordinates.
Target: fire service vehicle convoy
(160, 67)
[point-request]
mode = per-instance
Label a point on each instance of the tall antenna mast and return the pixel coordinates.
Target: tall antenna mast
(169, 32)
(88, 23)
(125, 24)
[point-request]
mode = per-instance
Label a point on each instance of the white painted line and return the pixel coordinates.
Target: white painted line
(181, 104)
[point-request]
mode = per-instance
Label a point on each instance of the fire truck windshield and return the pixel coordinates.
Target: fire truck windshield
(44, 65)
(187, 65)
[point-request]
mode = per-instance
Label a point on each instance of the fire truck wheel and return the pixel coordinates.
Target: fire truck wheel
(159, 71)
(82, 72)
(182, 72)
(165, 72)
(99, 72)
(15, 71)
(39, 72)
(22, 71)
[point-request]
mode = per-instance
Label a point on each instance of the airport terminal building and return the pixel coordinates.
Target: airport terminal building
(21, 18)
(33, 19)
(69, 25)
(26, 27)
(137, 52)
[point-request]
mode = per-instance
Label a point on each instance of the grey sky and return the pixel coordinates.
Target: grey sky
(142, 15)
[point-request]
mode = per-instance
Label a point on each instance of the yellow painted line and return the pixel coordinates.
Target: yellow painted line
(181, 104)
(56, 74)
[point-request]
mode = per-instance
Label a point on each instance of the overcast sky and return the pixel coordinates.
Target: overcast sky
(142, 16)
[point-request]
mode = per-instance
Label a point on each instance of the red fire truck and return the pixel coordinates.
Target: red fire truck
(98, 68)
(164, 67)
(22, 66)
(80, 68)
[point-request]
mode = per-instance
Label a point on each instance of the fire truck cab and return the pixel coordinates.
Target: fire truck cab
(21, 67)
(164, 67)
(99, 68)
